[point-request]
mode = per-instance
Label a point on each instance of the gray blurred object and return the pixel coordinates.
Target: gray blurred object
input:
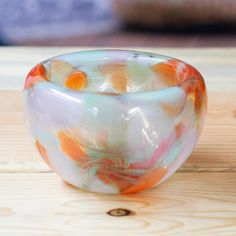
(176, 13)
(26, 20)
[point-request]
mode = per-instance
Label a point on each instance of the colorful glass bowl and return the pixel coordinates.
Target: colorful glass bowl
(115, 121)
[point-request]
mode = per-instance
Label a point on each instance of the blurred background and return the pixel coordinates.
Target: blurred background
(118, 23)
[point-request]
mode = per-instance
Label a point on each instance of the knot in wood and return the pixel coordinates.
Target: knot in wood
(118, 212)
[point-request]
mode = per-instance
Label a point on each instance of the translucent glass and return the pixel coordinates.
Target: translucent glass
(115, 121)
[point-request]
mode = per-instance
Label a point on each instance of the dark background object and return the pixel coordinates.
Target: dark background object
(177, 14)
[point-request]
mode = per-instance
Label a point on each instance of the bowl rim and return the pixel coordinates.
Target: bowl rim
(157, 55)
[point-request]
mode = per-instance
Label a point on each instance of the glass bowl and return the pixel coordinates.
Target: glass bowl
(115, 121)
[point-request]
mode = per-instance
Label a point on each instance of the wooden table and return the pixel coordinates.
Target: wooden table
(200, 199)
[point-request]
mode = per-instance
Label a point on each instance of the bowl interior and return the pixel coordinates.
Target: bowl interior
(111, 71)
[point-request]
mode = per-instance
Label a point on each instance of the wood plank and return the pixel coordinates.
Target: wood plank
(197, 200)
(187, 204)
(215, 152)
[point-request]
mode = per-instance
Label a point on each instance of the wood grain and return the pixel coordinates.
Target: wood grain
(187, 204)
(200, 199)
